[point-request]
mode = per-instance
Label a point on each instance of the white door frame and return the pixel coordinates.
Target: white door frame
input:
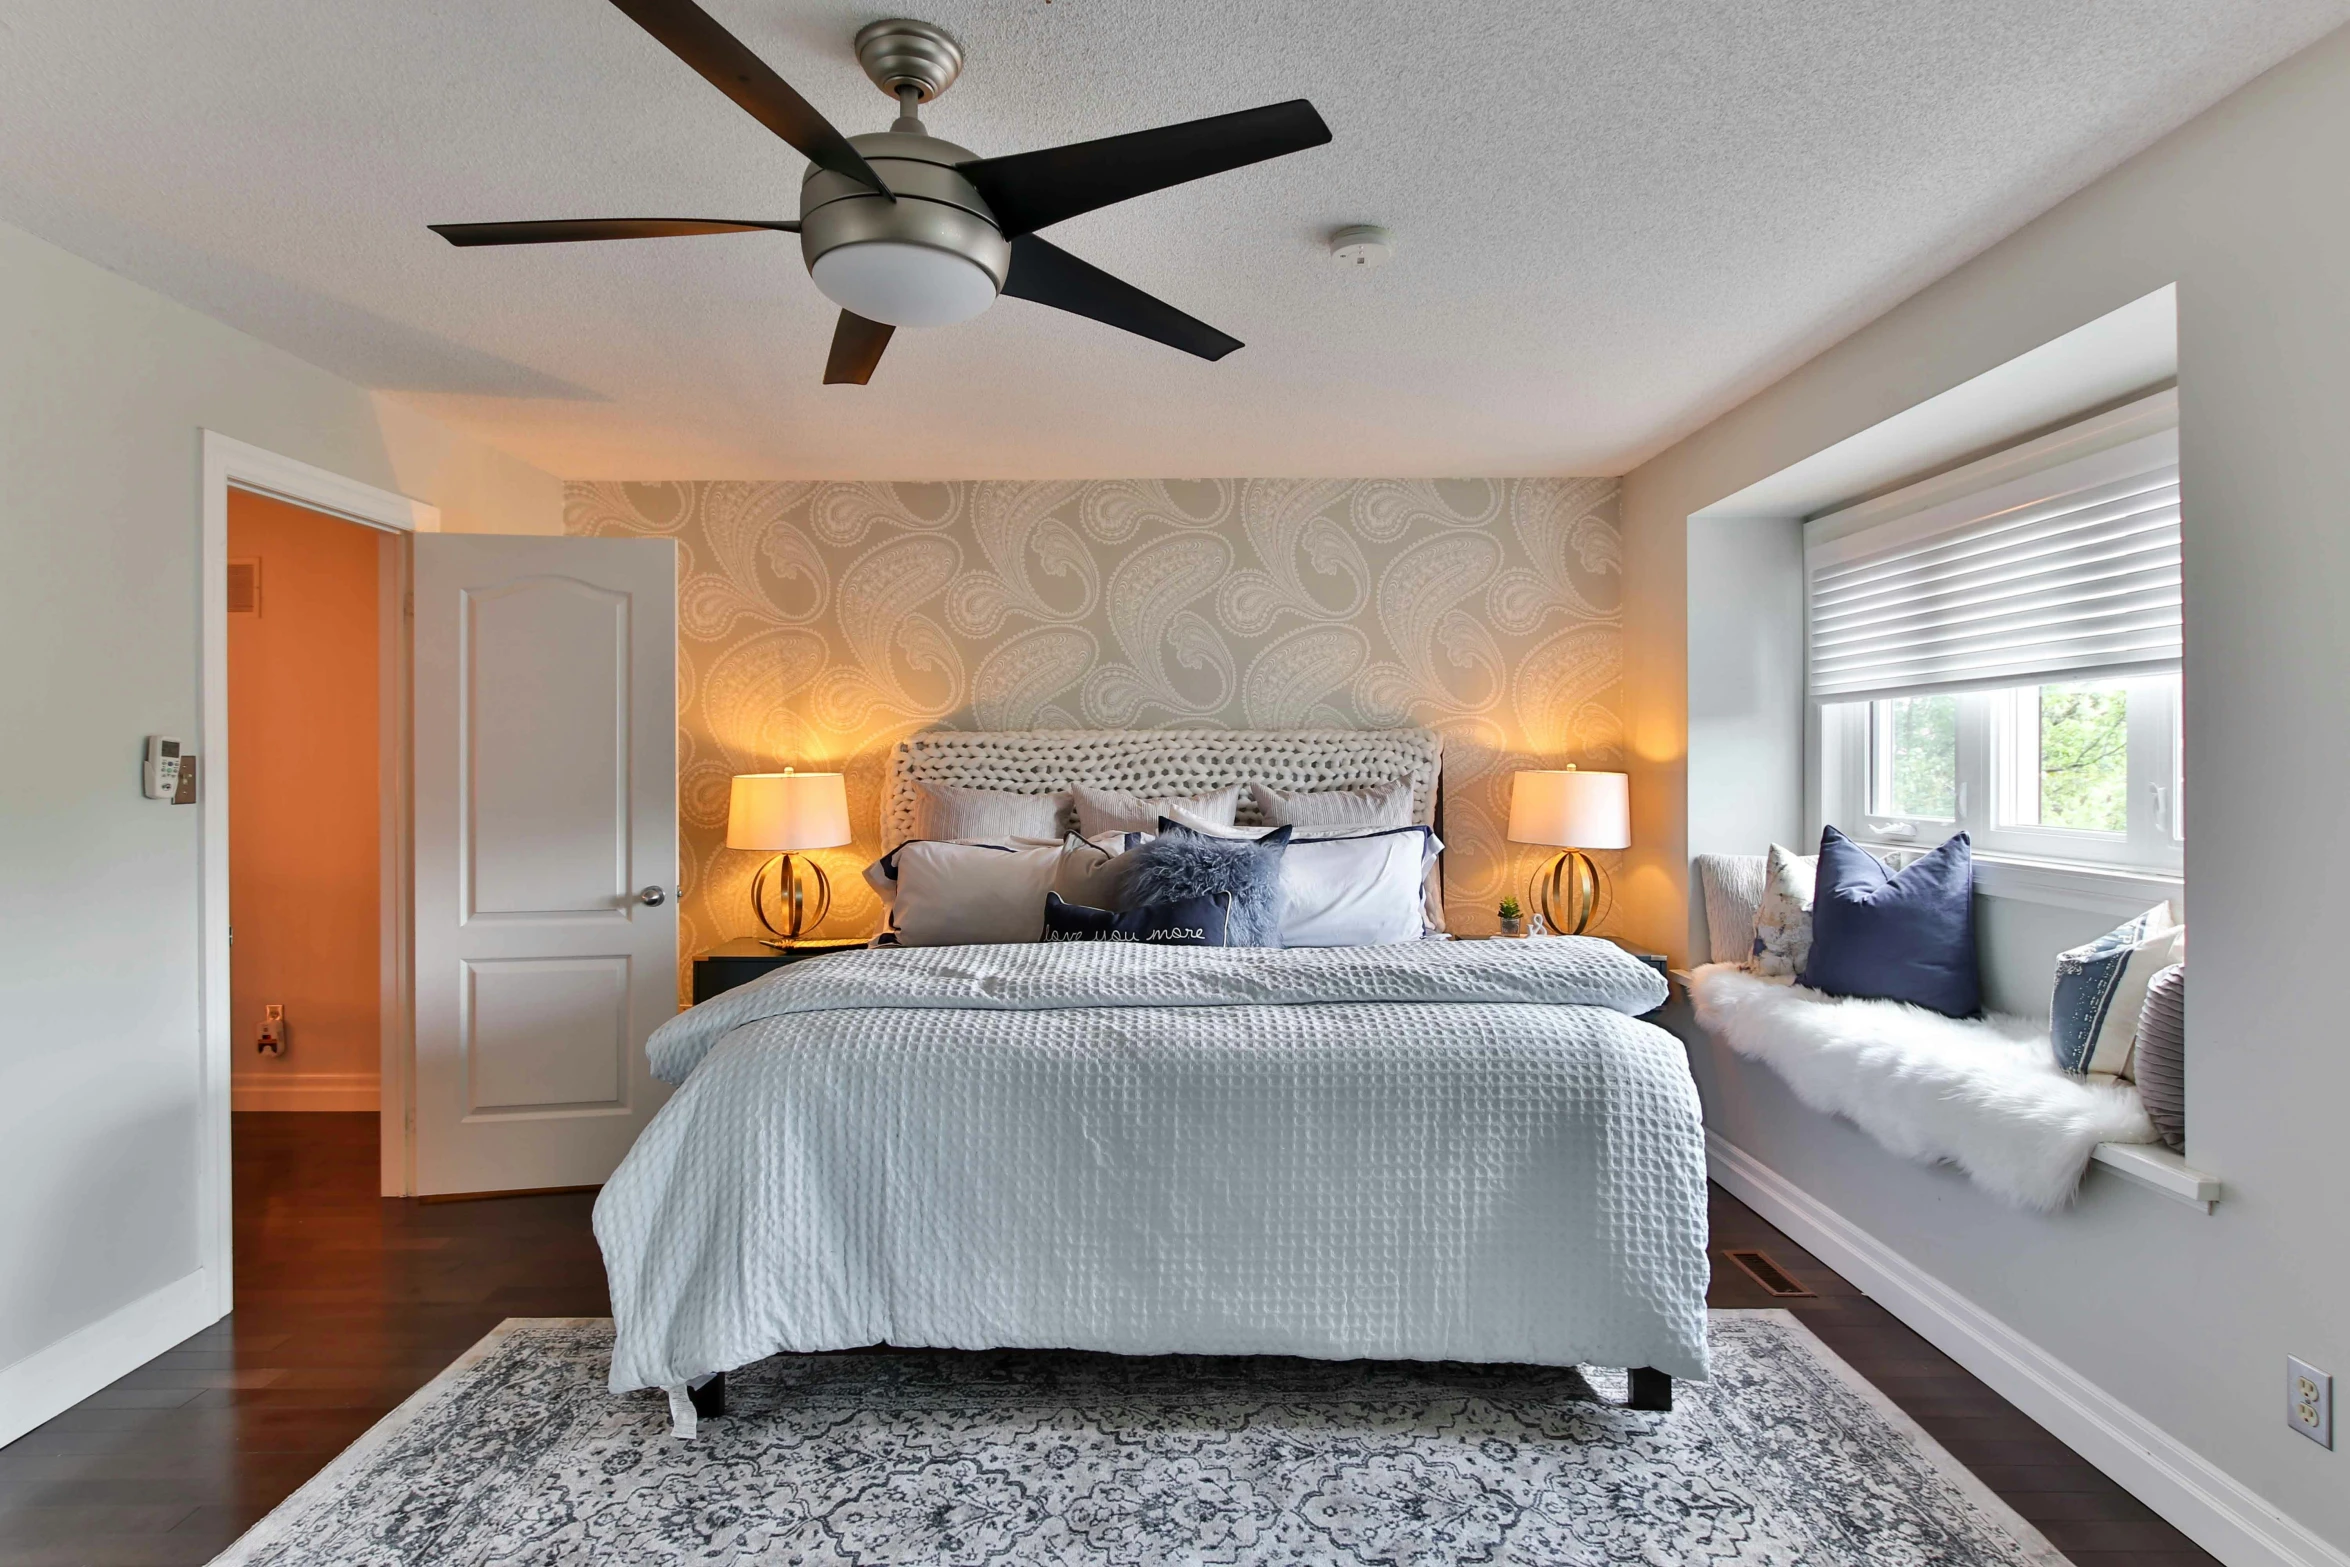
(232, 464)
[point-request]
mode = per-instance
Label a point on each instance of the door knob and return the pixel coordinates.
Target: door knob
(652, 897)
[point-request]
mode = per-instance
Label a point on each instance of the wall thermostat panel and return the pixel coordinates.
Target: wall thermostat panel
(162, 772)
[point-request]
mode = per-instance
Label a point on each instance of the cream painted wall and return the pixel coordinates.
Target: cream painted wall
(104, 387)
(2183, 1318)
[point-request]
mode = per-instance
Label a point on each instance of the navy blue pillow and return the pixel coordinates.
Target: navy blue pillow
(1193, 922)
(1906, 937)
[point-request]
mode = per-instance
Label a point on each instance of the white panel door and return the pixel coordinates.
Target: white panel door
(546, 853)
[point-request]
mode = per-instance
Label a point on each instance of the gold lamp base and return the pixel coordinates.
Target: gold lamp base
(801, 912)
(1567, 892)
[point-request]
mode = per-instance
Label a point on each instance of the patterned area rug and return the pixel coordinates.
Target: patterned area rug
(516, 1455)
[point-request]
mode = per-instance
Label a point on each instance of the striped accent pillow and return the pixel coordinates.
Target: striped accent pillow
(2101, 989)
(2161, 1059)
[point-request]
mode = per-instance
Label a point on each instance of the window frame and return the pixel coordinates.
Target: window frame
(1986, 807)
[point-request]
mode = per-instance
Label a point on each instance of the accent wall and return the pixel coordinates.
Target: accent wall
(821, 622)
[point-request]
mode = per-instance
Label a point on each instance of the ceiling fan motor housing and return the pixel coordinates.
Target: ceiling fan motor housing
(901, 53)
(937, 211)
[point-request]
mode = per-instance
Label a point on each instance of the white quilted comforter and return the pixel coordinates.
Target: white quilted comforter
(1430, 1151)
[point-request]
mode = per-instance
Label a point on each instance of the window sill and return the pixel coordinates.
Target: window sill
(2158, 1169)
(2067, 884)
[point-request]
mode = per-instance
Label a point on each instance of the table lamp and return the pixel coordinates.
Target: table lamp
(789, 811)
(1572, 811)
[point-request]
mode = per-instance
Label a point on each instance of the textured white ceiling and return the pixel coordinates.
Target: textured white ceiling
(1613, 218)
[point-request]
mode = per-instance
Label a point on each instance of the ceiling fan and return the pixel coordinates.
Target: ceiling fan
(899, 228)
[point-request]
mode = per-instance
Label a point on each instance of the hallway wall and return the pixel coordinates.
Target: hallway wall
(304, 878)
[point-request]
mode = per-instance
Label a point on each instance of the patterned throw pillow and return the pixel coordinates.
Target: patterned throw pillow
(2160, 1060)
(1782, 924)
(2101, 989)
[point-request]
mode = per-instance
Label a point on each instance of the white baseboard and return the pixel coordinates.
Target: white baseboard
(2199, 1499)
(305, 1091)
(70, 1370)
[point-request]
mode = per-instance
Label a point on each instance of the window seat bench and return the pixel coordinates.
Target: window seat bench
(1984, 1094)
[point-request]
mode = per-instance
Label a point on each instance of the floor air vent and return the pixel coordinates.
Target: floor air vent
(1768, 1274)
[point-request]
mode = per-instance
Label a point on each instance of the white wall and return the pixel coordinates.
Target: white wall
(103, 389)
(2183, 1319)
(1745, 684)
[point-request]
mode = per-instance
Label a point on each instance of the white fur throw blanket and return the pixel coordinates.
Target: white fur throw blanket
(1985, 1095)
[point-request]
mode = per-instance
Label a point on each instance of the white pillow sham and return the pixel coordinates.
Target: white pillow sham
(965, 894)
(950, 812)
(1389, 805)
(1092, 873)
(1111, 810)
(1362, 889)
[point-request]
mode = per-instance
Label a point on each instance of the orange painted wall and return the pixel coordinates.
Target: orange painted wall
(303, 823)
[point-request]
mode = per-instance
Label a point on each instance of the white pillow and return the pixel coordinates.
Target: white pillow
(1387, 806)
(1111, 810)
(965, 894)
(1092, 873)
(1782, 925)
(946, 811)
(1358, 890)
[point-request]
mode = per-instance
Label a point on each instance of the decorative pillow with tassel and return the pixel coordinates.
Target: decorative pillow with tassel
(2101, 989)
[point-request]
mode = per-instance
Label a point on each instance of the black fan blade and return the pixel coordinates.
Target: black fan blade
(1048, 275)
(557, 231)
(727, 64)
(856, 348)
(1031, 190)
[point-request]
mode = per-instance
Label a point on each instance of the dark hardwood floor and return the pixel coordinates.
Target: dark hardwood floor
(347, 1303)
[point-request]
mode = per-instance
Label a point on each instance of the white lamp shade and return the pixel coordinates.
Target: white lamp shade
(1571, 809)
(785, 811)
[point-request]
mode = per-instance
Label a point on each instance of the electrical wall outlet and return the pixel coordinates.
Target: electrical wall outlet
(273, 1029)
(2309, 1401)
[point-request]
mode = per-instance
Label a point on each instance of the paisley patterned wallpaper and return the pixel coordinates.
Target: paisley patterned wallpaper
(819, 622)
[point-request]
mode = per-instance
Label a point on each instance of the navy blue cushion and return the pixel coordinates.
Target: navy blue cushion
(1906, 937)
(1193, 922)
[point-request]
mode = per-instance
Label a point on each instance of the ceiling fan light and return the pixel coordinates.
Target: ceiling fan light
(903, 285)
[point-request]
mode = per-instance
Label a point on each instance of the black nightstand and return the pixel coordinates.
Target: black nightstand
(743, 959)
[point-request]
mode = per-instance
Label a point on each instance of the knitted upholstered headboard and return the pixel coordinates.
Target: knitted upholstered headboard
(1159, 762)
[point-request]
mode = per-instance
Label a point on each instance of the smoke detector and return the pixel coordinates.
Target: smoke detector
(1361, 245)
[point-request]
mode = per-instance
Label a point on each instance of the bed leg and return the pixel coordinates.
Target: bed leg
(709, 1395)
(1651, 1389)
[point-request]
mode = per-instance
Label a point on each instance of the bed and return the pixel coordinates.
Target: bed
(1430, 1150)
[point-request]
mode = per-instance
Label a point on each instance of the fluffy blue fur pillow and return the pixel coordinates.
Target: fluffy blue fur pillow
(1180, 863)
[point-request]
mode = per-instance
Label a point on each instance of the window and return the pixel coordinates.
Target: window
(2004, 662)
(2078, 770)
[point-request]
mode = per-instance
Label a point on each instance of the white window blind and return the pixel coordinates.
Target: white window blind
(2072, 572)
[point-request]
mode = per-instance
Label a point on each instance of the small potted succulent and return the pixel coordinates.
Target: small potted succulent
(1513, 918)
